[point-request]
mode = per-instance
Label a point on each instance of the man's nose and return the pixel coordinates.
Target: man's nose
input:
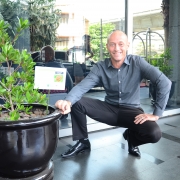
(117, 47)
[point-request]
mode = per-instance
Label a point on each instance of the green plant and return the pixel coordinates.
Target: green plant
(162, 61)
(43, 18)
(97, 36)
(17, 85)
(9, 11)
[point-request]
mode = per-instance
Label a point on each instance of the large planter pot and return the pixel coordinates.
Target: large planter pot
(27, 146)
(152, 93)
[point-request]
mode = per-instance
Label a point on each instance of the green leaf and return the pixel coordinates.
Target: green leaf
(14, 115)
(2, 90)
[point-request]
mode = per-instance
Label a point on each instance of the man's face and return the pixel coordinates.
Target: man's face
(117, 46)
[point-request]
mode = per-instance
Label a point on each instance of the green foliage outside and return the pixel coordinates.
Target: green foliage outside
(163, 62)
(10, 11)
(43, 18)
(95, 33)
(17, 84)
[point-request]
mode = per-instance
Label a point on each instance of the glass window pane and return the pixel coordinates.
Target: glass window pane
(95, 19)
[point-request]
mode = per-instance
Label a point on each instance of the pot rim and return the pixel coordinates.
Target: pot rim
(33, 121)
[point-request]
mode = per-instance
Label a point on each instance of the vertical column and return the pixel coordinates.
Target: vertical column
(129, 22)
(174, 43)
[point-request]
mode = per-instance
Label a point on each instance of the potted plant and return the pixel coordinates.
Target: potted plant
(28, 126)
(162, 62)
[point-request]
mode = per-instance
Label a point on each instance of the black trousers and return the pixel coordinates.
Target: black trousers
(122, 116)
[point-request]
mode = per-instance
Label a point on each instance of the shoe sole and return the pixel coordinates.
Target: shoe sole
(80, 152)
(135, 155)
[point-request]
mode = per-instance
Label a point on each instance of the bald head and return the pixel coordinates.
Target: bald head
(117, 33)
(117, 46)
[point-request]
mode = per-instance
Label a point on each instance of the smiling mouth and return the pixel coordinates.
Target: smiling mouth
(117, 53)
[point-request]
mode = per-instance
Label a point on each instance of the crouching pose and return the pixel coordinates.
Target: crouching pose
(120, 75)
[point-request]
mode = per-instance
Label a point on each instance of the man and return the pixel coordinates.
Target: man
(120, 76)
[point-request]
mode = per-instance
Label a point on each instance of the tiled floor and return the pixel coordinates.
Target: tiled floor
(109, 158)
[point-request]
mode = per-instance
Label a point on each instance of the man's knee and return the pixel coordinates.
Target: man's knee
(155, 135)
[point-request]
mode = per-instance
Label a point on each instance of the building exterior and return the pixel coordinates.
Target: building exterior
(72, 27)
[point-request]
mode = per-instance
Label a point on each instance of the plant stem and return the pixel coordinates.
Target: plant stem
(48, 100)
(3, 85)
(10, 101)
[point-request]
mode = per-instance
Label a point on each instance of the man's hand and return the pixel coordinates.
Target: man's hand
(141, 118)
(64, 106)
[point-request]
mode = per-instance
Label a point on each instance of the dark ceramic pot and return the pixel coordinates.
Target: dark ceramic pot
(27, 146)
(152, 92)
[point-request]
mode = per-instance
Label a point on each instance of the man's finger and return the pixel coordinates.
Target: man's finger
(58, 104)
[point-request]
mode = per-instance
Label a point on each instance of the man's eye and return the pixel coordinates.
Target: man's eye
(112, 45)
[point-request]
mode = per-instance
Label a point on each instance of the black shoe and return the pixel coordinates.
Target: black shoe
(132, 150)
(79, 147)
